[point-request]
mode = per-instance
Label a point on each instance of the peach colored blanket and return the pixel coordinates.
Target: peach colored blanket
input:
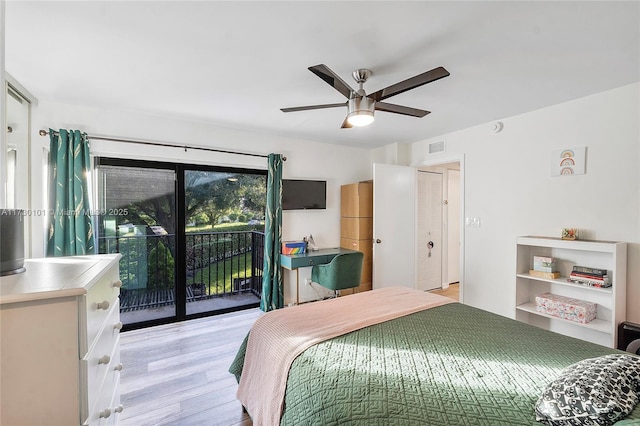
(279, 336)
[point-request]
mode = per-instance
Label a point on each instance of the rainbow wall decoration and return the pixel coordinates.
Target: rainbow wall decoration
(569, 161)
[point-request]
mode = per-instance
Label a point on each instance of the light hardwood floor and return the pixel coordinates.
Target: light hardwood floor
(453, 291)
(177, 374)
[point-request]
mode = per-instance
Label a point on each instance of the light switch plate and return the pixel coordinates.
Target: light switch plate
(472, 222)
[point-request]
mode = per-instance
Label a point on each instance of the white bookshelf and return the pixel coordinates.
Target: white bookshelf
(611, 303)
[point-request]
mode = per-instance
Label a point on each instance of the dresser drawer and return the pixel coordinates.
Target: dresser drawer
(116, 407)
(96, 305)
(108, 408)
(98, 367)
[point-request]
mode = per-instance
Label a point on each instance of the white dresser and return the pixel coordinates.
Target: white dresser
(59, 342)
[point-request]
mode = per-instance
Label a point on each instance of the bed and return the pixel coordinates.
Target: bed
(399, 356)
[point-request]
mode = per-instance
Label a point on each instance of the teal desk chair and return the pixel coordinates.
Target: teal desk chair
(344, 271)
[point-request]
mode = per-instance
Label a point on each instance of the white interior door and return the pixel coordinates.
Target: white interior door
(453, 228)
(394, 195)
(429, 231)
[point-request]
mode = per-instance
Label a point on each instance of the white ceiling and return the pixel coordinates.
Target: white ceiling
(235, 64)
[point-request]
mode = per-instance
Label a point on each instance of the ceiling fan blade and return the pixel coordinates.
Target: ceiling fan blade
(399, 109)
(411, 83)
(345, 124)
(306, 108)
(325, 73)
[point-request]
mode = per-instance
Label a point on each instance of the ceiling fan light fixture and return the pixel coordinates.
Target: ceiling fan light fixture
(360, 119)
(360, 111)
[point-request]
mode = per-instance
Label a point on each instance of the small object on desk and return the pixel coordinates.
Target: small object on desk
(569, 233)
(311, 244)
(294, 247)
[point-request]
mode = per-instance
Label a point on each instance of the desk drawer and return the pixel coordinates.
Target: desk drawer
(301, 262)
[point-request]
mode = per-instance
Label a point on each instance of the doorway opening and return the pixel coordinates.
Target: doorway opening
(439, 226)
(395, 222)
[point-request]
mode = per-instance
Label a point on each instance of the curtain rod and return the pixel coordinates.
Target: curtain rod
(185, 147)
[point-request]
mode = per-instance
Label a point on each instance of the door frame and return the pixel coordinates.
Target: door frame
(445, 159)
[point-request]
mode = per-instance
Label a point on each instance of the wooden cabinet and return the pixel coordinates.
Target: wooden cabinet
(356, 200)
(60, 358)
(610, 302)
(356, 226)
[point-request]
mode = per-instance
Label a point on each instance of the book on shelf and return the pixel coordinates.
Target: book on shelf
(542, 274)
(589, 270)
(590, 282)
(590, 276)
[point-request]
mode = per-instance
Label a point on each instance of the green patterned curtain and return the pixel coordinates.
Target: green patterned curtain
(70, 228)
(272, 292)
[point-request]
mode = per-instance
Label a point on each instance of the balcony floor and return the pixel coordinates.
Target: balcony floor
(197, 306)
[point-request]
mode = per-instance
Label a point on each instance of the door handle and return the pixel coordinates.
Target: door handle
(430, 244)
(378, 241)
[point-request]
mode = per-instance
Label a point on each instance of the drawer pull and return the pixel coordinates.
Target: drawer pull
(118, 409)
(310, 261)
(103, 305)
(104, 414)
(117, 283)
(104, 360)
(118, 367)
(118, 325)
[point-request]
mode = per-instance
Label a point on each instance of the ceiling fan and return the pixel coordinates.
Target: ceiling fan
(360, 106)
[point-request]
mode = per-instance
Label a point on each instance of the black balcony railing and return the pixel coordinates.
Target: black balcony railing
(218, 264)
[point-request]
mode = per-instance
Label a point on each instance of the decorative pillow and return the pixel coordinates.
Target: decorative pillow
(595, 391)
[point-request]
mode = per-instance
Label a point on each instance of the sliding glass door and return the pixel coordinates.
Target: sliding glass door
(138, 220)
(191, 237)
(224, 224)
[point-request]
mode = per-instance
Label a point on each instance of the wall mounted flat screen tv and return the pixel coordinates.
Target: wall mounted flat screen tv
(304, 194)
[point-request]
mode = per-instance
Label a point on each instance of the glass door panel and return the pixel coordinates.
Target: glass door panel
(137, 219)
(224, 235)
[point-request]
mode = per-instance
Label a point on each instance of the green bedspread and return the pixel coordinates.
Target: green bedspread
(450, 365)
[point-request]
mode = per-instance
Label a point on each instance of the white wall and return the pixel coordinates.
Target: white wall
(3, 123)
(394, 153)
(507, 184)
(308, 160)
